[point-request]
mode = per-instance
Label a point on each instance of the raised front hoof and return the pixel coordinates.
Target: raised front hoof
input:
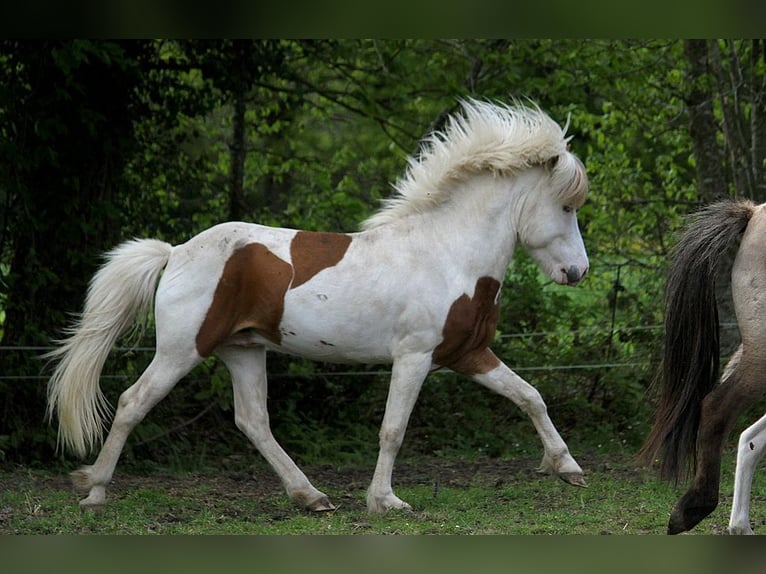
(322, 504)
(312, 500)
(382, 504)
(685, 517)
(574, 478)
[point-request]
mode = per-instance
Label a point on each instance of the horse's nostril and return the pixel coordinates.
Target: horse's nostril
(573, 274)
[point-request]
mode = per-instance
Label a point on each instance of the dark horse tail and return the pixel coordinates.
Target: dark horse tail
(690, 363)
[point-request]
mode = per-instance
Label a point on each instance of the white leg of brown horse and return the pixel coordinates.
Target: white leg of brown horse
(153, 385)
(248, 373)
(408, 374)
(556, 457)
(750, 451)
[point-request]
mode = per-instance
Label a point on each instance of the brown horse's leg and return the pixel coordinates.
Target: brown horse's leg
(702, 496)
(720, 409)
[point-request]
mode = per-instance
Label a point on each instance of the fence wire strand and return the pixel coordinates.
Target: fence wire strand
(40, 349)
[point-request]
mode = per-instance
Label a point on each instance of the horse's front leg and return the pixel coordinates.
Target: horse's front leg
(407, 378)
(556, 457)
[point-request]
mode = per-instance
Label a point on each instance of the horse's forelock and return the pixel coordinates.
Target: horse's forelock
(570, 178)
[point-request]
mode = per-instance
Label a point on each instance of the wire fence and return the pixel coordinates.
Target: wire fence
(631, 364)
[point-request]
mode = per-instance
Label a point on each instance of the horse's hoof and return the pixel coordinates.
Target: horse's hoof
(322, 504)
(574, 478)
(382, 505)
(91, 506)
(312, 500)
(676, 525)
(690, 511)
(683, 519)
(96, 499)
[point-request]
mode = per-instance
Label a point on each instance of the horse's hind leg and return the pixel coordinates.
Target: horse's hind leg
(155, 383)
(751, 448)
(248, 373)
(743, 384)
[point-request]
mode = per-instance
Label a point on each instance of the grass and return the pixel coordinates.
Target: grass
(447, 495)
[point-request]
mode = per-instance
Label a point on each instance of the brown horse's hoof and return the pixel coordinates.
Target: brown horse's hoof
(690, 511)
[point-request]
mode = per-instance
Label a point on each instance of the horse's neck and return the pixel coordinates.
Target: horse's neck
(474, 226)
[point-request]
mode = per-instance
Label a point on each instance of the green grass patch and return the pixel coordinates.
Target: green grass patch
(449, 496)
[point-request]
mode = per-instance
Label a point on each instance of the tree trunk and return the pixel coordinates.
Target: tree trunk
(703, 127)
(758, 118)
(238, 150)
(711, 182)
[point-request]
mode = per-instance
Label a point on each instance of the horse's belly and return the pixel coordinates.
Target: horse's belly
(324, 338)
(337, 352)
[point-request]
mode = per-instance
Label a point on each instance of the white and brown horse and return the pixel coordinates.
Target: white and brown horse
(418, 288)
(695, 415)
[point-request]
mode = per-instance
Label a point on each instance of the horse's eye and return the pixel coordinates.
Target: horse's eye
(568, 209)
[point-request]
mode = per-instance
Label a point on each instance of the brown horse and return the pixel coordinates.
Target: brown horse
(695, 415)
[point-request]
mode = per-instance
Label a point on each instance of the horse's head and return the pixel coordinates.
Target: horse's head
(547, 218)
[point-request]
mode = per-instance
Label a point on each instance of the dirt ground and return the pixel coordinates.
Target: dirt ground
(344, 485)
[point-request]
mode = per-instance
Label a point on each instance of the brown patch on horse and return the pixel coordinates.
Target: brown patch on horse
(469, 329)
(312, 251)
(249, 295)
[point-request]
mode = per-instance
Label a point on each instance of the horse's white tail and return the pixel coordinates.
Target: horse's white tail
(119, 294)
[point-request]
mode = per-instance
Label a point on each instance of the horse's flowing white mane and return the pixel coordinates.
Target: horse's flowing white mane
(485, 137)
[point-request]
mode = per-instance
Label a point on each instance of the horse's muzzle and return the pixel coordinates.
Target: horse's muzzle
(574, 275)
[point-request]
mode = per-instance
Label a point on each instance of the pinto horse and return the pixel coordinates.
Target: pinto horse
(418, 288)
(695, 415)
